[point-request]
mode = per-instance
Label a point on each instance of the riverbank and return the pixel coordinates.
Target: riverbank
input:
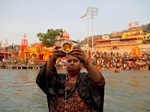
(20, 67)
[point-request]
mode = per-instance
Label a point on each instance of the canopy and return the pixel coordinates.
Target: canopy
(136, 52)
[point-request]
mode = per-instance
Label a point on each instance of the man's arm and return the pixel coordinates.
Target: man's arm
(41, 79)
(94, 73)
(49, 66)
(48, 70)
(45, 75)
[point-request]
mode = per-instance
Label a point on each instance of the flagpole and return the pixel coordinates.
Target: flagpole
(92, 29)
(88, 22)
(86, 27)
(92, 12)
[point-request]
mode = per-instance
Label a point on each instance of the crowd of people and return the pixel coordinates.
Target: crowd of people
(5, 63)
(118, 62)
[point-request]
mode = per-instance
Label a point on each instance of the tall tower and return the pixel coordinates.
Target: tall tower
(24, 45)
(65, 35)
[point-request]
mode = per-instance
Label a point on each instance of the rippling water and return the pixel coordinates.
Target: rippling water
(125, 92)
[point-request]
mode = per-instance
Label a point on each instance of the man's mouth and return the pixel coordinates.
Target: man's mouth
(70, 67)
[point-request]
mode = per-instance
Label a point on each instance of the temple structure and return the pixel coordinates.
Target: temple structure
(130, 39)
(38, 51)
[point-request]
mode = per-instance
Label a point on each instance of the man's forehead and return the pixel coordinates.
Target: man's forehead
(57, 43)
(71, 57)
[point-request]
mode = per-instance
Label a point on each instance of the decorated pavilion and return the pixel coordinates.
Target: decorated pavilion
(37, 51)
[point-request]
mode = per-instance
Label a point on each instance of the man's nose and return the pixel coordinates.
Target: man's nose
(72, 62)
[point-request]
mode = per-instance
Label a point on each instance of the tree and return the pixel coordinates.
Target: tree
(48, 38)
(148, 27)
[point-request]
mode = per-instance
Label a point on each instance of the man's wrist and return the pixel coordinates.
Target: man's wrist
(53, 58)
(86, 64)
(51, 62)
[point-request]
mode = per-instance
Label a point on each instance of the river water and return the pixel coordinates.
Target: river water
(126, 91)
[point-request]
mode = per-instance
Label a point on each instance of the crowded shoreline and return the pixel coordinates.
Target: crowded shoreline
(115, 62)
(129, 52)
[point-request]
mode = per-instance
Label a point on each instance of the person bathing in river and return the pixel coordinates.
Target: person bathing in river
(73, 91)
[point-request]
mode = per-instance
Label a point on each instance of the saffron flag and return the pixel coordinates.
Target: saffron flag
(85, 15)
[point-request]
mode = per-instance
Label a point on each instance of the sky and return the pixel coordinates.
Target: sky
(33, 16)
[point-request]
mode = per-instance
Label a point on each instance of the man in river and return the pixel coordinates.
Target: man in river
(73, 91)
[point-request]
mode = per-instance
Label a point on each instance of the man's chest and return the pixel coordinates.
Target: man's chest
(73, 103)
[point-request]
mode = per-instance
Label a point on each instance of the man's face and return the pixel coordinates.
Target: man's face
(72, 63)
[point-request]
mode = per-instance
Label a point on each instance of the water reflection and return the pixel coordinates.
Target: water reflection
(125, 92)
(19, 92)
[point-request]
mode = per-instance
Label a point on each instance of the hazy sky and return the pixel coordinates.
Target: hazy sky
(32, 16)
